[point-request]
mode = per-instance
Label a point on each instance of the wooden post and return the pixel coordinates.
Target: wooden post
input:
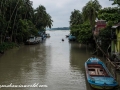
(106, 63)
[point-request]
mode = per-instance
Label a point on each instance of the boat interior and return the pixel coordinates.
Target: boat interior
(96, 70)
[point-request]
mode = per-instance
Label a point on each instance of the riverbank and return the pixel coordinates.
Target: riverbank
(7, 45)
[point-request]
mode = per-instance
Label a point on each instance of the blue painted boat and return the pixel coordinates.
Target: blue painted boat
(98, 76)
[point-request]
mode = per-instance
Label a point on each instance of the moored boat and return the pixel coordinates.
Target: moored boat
(33, 40)
(98, 76)
(72, 38)
(47, 35)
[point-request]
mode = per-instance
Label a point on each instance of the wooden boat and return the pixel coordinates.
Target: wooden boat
(98, 76)
(33, 40)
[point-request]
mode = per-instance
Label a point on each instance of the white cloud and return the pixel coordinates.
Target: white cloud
(60, 10)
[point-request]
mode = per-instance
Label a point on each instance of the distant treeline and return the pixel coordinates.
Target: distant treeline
(60, 28)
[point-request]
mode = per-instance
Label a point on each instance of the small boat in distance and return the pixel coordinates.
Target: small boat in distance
(67, 35)
(47, 35)
(98, 76)
(62, 39)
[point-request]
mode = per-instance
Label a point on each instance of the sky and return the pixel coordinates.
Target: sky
(60, 10)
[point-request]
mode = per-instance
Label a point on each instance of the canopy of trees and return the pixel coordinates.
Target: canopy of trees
(116, 2)
(90, 12)
(82, 32)
(82, 23)
(110, 14)
(18, 20)
(112, 17)
(76, 18)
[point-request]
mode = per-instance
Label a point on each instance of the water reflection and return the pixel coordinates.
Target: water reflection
(79, 54)
(25, 65)
(55, 63)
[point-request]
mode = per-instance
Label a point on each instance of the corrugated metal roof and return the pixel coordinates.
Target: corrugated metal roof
(116, 25)
(101, 22)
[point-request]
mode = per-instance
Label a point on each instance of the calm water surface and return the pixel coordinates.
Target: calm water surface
(55, 63)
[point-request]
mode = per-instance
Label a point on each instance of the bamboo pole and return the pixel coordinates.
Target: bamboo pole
(109, 61)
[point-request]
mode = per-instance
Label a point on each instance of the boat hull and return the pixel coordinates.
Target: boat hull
(103, 87)
(98, 75)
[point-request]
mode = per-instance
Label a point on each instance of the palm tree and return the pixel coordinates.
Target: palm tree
(48, 21)
(28, 9)
(116, 2)
(3, 22)
(90, 11)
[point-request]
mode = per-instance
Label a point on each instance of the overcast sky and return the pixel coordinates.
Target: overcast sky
(60, 10)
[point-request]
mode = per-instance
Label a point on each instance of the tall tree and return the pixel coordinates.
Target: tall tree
(90, 11)
(116, 2)
(3, 22)
(110, 14)
(18, 19)
(42, 18)
(76, 18)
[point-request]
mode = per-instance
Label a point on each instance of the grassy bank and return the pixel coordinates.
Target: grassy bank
(7, 45)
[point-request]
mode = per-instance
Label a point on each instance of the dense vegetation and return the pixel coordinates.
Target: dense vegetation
(116, 2)
(112, 17)
(60, 28)
(82, 32)
(82, 23)
(83, 26)
(110, 14)
(19, 20)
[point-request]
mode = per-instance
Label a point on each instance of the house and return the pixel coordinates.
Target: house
(98, 26)
(115, 39)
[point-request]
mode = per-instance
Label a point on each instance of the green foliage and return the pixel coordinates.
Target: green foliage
(110, 14)
(112, 17)
(105, 37)
(82, 32)
(26, 29)
(116, 2)
(42, 18)
(90, 11)
(76, 18)
(2, 26)
(18, 20)
(77, 27)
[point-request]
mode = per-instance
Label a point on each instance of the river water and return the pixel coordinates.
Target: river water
(57, 64)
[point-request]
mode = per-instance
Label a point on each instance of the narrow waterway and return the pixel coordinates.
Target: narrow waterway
(55, 63)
